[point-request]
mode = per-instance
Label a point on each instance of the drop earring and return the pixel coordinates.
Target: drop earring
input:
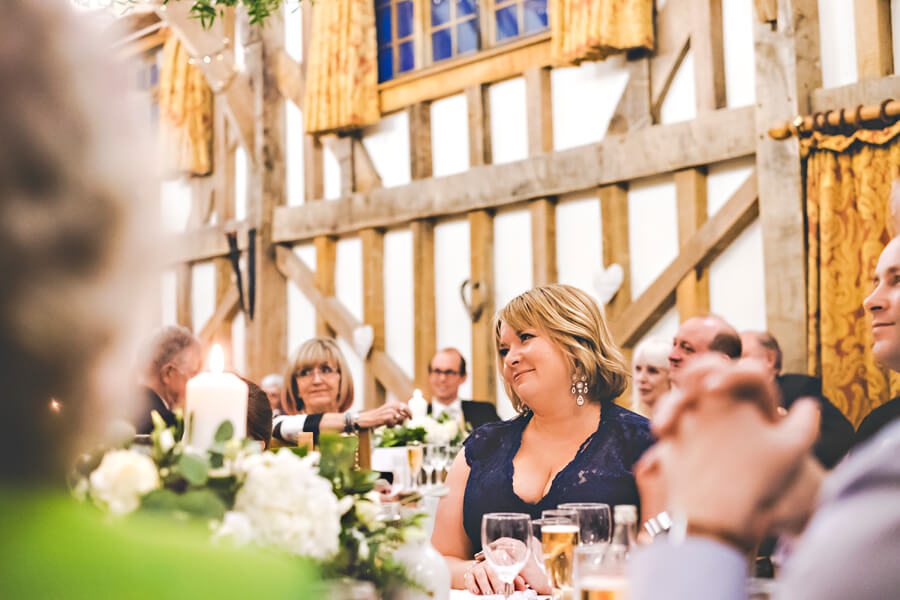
(579, 389)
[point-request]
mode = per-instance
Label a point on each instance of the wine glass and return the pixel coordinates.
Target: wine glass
(594, 522)
(414, 457)
(429, 459)
(506, 542)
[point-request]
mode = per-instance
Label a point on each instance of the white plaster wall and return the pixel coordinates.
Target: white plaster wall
(203, 294)
(293, 154)
(452, 265)
(175, 204)
(652, 229)
(724, 179)
(169, 299)
(838, 42)
(348, 289)
(895, 31)
(509, 121)
(450, 135)
(293, 29)
(737, 282)
(579, 251)
(680, 103)
(301, 315)
(387, 143)
(740, 76)
(332, 171)
(584, 99)
(398, 298)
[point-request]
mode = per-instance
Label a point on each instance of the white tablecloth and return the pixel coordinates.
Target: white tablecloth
(464, 595)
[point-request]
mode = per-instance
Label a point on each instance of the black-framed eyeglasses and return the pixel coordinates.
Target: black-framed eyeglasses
(444, 372)
(324, 370)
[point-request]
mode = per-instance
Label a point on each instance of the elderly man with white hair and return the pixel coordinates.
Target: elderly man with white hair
(171, 357)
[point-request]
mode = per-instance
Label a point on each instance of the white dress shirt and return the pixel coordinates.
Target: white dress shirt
(454, 409)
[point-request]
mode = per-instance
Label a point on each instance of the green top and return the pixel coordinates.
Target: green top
(53, 547)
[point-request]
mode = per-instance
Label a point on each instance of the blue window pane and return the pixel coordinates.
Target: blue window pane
(385, 64)
(383, 17)
(382, 2)
(440, 12)
(465, 7)
(407, 60)
(507, 23)
(441, 45)
(535, 15)
(404, 19)
(467, 36)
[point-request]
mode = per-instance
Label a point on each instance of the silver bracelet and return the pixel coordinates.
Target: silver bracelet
(349, 421)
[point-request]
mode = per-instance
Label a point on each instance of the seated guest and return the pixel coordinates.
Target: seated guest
(320, 394)
(259, 414)
(273, 386)
(570, 442)
(171, 357)
(849, 547)
(649, 374)
(836, 432)
(446, 372)
(698, 336)
(876, 420)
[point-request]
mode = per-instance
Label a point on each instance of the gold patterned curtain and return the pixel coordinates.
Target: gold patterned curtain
(341, 78)
(185, 110)
(593, 29)
(848, 185)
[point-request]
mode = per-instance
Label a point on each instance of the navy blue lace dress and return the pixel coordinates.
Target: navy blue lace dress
(600, 471)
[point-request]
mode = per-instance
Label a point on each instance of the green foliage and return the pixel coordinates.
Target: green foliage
(225, 432)
(401, 436)
(208, 10)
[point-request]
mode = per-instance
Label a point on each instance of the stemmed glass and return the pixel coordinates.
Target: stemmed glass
(443, 458)
(594, 522)
(506, 542)
(414, 456)
(429, 461)
(558, 534)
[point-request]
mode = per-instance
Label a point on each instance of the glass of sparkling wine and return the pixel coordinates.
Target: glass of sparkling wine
(414, 454)
(559, 537)
(506, 540)
(593, 579)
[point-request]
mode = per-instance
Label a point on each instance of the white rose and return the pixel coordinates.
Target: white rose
(289, 505)
(435, 433)
(236, 527)
(122, 478)
(367, 511)
(166, 440)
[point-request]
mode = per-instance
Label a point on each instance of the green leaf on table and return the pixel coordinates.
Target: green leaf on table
(202, 503)
(362, 481)
(194, 469)
(225, 432)
(162, 500)
(301, 451)
(338, 456)
(216, 460)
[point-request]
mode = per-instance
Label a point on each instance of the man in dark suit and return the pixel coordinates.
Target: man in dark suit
(835, 431)
(446, 372)
(171, 357)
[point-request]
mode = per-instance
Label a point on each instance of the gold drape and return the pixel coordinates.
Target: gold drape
(848, 184)
(185, 110)
(341, 78)
(592, 29)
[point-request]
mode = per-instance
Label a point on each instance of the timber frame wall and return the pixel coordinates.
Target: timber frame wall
(251, 112)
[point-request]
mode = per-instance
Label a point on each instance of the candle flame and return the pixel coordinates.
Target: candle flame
(216, 359)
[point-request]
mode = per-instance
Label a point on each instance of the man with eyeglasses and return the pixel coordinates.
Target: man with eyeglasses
(171, 357)
(446, 372)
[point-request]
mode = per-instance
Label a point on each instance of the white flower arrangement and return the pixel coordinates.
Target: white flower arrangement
(122, 478)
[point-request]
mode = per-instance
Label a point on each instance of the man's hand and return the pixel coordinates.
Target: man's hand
(731, 464)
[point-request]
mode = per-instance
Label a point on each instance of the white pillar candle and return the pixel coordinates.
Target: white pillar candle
(417, 406)
(212, 399)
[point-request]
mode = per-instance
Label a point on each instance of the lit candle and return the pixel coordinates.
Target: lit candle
(417, 406)
(211, 399)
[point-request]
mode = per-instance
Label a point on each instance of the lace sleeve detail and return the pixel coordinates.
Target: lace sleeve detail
(487, 439)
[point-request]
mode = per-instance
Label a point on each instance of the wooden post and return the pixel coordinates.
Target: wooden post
(481, 235)
(424, 321)
(787, 69)
(709, 54)
(183, 293)
(479, 109)
(373, 307)
(420, 161)
(874, 52)
(313, 166)
(692, 296)
(223, 173)
(326, 256)
(543, 241)
(267, 330)
(614, 224)
(538, 110)
(342, 146)
(634, 108)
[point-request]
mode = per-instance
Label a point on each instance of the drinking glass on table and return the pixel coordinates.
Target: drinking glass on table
(414, 454)
(558, 531)
(594, 522)
(594, 580)
(442, 459)
(506, 543)
(429, 464)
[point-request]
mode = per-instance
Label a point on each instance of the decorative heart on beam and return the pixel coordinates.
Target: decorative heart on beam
(608, 281)
(363, 337)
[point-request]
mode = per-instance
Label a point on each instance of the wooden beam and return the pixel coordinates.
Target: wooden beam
(448, 78)
(479, 109)
(326, 257)
(766, 11)
(709, 54)
(616, 247)
(139, 46)
(313, 168)
(538, 110)
(420, 160)
(874, 50)
(692, 296)
(787, 70)
(543, 241)
(424, 320)
(698, 252)
(673, 40)
(184, 281)
(650, 151)
(341, 320)
(221, 74)
(373, 306)
(342, 148)
(870, 91)
(226, 309)
(634, 109)
(223, 176)
(365, 175)
(290, 78)
(203, 243)
(267, 330)
(481, 236)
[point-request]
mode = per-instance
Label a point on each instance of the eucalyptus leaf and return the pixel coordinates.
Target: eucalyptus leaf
(202, 503)
(161, 500)
(301, 451)
(216, 460)
(225, 432)
(194, 469)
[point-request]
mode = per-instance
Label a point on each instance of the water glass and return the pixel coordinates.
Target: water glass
(594, 522)
(506, 542)
(429, 462)
(593, 579)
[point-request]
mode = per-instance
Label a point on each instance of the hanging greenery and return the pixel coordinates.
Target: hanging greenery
(257, 10)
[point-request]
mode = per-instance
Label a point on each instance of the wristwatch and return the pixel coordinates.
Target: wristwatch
(659, 524)
(351, 422)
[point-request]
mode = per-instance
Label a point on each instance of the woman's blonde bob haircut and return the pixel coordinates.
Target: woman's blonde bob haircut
(311, 353)
(574, 322)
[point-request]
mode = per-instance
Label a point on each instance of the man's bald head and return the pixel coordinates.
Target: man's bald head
(699, 335)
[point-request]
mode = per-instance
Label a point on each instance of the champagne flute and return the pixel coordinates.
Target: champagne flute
(429, 462)
(594, 522)
(506, 542)
(414, 457)
(558, 530)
